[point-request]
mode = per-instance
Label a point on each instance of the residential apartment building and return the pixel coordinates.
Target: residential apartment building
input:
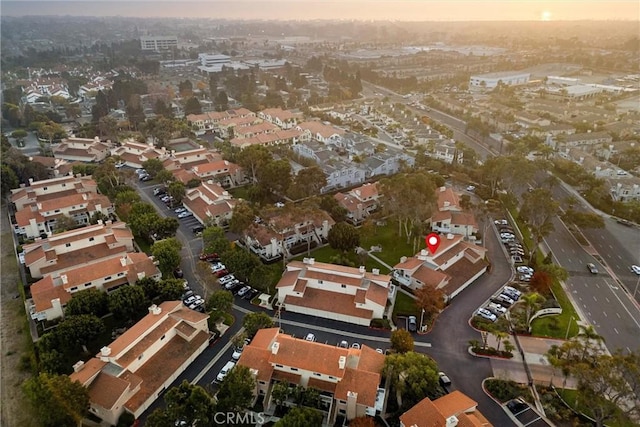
(624, 190)
(280, 137)
(360, 202)
(158, 43)
(319, 131)
(280, 234)
(284, 119)
(42, 203)
(589, 138)
(134, 153)
(132, 372)
(455, 265)
(209, 203)
(451, 410)
(50, 294)
(81, 150)
(205, 165)
(82, 246)
(206, 122)
(450, 217)
(349, 380)
(334, 292)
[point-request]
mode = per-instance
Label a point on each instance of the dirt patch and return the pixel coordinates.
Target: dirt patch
(14, 336)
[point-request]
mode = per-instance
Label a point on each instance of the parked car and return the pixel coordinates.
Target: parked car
(496, 308)
(310, 337)
(501, 222)
(237, 352)
(486, 314)
(243, 291)
(209, 257)
(592, 268)
(343, 344)
(251, 294)
(185, 214)
(233, 286)
(158, 191)
(412, 324)
(189, 300)
(355, 345)
(226, 279)
(179, 210)
(471, 188)
(177, 273)
(217, 266)
(511, 294)
(505, 299)
(635, 269)
(524, 269)
(444, 379)
(221, 273)
(197, 230)
(513, 290)
(225, 371)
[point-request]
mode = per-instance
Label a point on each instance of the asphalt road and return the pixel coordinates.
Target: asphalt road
(598, 298)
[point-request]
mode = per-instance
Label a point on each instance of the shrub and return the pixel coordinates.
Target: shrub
(505, 390)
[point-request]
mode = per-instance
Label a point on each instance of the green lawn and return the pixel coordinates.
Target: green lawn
(325, 253)
(393, 246)
(556, 326)
(239, 192)
(570, 396)
(405, 305)
(144, 245)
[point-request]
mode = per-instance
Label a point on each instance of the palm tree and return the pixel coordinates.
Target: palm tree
(500, 335)
(509, 347)
(589, 336)
(531, 302)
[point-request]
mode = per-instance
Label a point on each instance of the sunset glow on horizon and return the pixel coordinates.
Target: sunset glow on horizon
(403, 10)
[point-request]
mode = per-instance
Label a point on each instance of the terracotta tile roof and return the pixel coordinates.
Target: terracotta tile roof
(455, 403)
(446, 194)
(410, 264)
(444, 251)
(370, 360)
(429, 276)
(264, 338)
(89, 370)
(140, 265)
(320, 128)
(300, 286)
(33, 255)
(43, 292)
(347, 201)
(328, 301)
(464, 218)
(106, 389)
(257, 358)
(324, 266)
(147, 323)
(278, 113)
(255, 129)
(322, 385)
(24, 217)
(190, 316)
(378, 294)
(310, 356)
(366, 191)
(278, 136)
(423, 414)
(219, 166)
(461, 272)
(289, 278)
(83, 257)
(328, 276)
(286, 377)
(144, 341)
(49, 162)
(163, 365)
(362, 382)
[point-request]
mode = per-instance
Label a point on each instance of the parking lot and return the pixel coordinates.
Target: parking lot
(525, 415)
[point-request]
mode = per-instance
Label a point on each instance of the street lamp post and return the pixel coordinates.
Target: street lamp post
(421, 319)
(566, 336)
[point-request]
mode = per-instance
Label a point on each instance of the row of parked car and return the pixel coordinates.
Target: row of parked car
(509, 239)
(192, 300)
(499, 303)
(229, 281)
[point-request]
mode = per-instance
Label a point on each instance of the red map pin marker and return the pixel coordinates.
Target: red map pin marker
(433, 241)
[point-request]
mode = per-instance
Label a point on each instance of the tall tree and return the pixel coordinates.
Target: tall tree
(344, 237)
(242, 217)
(308, 182)
(221, 301)
(275, 176)
(153, 167)
(413, 376)
(401, 341)
(214, 240)
(253, 322)
(431, 300)
(539, 209)
(79, 329)
(191, 404)
(128, 302)
(252, 159)
(57, 401)
(301, 417)
(236, 390)
(176, 190)
(192, 106)
(167, 253)
(90, 301)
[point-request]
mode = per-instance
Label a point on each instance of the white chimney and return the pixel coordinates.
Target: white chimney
(312, 261)
(446, 204)
(375, 271)
(449, 236)
(155, 310)
(77, 367)
(423, 252)
(342, 362)
(403, 259)
(275, 347)
(65, 279)
(123, 261)
(362, 269)
(105, 351)
(452, 421)
(443, 189)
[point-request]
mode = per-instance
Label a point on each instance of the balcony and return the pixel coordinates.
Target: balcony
(401, 278)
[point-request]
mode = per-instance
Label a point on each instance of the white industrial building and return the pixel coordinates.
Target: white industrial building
(491, 80)
(158, 43)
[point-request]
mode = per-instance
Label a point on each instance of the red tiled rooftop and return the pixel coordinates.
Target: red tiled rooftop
(328, 301)
(106, 389)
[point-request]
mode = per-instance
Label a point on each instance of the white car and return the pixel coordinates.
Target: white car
(225, 370)
(636, 269)
(501, 222)
(503, 298)
(237, 353)
(512, 290)
(218, 267)
(496, 308)
(179, 210)
(279, 205)
(185, 214)
(226, 279)
(471, 188)
(523, 269)
(355, 345)
(310, 337)
(190, 300)
(486, 314)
